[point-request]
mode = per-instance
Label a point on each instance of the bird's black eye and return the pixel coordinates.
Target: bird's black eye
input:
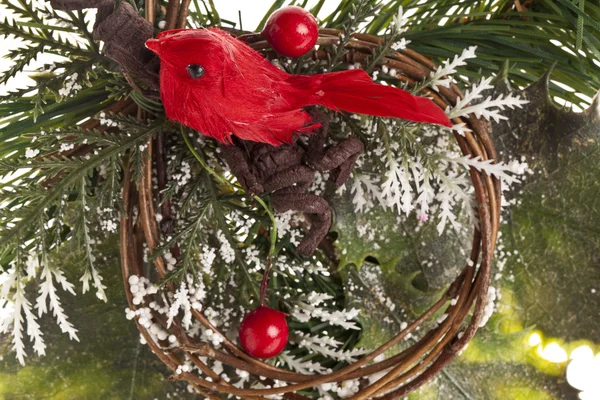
(195, 70)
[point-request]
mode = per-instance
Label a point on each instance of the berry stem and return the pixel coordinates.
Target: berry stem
(265, 281)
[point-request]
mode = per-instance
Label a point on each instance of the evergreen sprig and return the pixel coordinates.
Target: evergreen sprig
(355, 14)
(530, 40)
(68, 175)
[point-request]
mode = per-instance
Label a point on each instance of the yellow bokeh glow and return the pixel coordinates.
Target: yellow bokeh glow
(553, 352)
(582, 370)
(535, 339)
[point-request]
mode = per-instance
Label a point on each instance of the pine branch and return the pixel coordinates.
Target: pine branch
(224, 227)
(30, 211)
(394, 34)
(109, 186)
(196, 194)
(139, 157)
(358, 12)
(58, 44)
(53, 83)
(191, 246)
(47, 166)
(77, 135)
(21, 59)
(188, 234)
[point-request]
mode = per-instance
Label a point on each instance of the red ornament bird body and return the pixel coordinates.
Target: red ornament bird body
(221, 87)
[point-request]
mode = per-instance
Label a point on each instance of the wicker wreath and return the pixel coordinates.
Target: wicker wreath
(410, 368)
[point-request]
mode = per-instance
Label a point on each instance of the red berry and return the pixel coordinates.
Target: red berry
(291, 31)
(264, 332)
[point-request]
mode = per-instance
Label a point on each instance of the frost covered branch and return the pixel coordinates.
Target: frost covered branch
(489, 108)
(441, 76)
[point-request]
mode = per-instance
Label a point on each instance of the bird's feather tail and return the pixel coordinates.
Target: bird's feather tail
(354, 91)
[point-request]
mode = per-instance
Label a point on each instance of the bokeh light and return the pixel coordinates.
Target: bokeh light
(583, 372)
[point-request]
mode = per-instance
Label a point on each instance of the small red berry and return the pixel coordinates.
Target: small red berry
(291, 31)
(264, 332)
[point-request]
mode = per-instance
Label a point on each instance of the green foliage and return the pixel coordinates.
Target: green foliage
(54, 172)
(357, 13)
(529, 40)
(69, 175)
(46, 31)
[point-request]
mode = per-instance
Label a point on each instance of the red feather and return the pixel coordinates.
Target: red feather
(243, 94)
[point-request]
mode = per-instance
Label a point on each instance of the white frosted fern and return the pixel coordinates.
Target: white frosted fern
(92, 276)
(306, 367)
(17, 331)
(490, 167)
(33, 328)
(181, 302)
(490, 108)
(48, 291)
(441, 76)
(396, 189)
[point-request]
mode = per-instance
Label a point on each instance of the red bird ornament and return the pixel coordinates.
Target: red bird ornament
(220, 86)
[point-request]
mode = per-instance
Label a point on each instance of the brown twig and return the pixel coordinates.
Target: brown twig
(150, 9)
(183, 13)
(172, 13)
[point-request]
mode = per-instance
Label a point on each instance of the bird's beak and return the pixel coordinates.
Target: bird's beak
(153, 45)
